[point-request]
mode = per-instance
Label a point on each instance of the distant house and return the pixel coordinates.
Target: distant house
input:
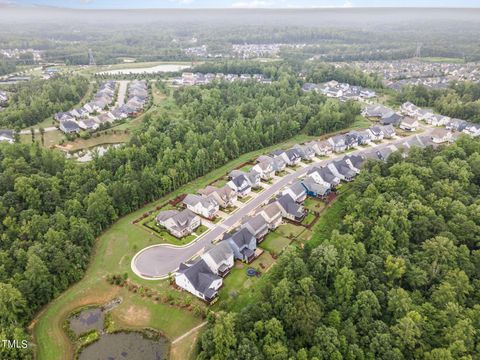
(314, 189)
(265, 169)
(410, 109)
(199, 280)
(278, 164)
(69, 127)
(219, 258)
(388, 131)
(440, 136)
(355, 162)
(309, 87)
(272, 213)
(243, 244)
(87, 124)
(325, 147)
(364, 137)
(179, 224)
(241, 185)
(338, 143)
(290, 209)
(324, 176)
(377, 111)
(376, 133)
(225, 196)
(472, 130)
(296, 191)
(351, 140)
(203, 206)
(394, 119)
(258, 226)
(7, 136)
(456, 124)
(341, 170)
(409, 124)
(294, 156)
(306, 152)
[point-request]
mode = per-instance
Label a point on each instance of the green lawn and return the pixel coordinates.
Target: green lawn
(201, 229)
(290, 230)
(221, 182)
(245, 199)
(309, 218)
(246, 168)
(314, 204)
(275, 243)
(238, 288)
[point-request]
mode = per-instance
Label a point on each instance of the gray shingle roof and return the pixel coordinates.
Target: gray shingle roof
(200, 276)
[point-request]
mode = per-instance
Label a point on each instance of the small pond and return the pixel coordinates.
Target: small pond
(126, 346)
(149, 70)
(87, 320)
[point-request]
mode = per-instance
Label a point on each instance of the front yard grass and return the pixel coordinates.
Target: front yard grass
(258, 190)
(200, 230)
(244, 199)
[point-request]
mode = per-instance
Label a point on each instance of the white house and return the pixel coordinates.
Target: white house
(265, 169)
(219, 258)
(203, 206)
(179, 224)
(199, 280)
(409, 124)
(441, 135)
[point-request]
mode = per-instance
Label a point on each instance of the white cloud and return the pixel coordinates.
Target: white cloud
(253, 4)
(347, 4)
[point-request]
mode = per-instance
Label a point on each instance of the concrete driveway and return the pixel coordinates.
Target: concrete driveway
(157, 261)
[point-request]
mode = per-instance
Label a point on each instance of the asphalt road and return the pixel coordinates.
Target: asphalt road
(122, 91)
(157, 261)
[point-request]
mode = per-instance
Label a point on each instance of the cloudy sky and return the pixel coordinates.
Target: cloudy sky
(126, 4)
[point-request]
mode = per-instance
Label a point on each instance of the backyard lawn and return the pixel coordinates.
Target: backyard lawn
(275, 243)
(309, 218)
(238, 287)
(312, 204)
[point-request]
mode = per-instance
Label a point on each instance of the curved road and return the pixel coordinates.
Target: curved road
(157, 261)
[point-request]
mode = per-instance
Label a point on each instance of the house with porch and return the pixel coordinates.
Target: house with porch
(265, 169)
(219, 258)
(440, 136)
(314, 189)
(243, 244)
(203, 206)
(258, 226)
(296, 191)
(272, 213)
(409, 124)
(341, 170)
(224, 196)
(338, 143)
(178, 223)
(241, 185)
(290, 209)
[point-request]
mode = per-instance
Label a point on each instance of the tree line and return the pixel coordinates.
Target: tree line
(33, 101)
(398, 278)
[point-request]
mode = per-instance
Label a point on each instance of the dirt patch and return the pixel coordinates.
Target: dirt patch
(134, 315)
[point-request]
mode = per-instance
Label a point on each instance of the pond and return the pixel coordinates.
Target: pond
(149, 70)
(126, 346)
(87, 320)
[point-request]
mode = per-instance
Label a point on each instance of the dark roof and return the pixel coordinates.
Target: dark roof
(200, 276)
(344, 169)
(241, 237)
(312, 186)
(357, 160)
(290, 206)
(394, 119)
(238, 180)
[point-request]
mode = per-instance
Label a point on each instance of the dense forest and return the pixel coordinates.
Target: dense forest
(51, 209)
(461, 100)
(7, 66)
(398, 278)
(34, 101)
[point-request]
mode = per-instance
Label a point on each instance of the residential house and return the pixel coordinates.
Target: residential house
(296, 191)
(87, 124)
(410, 109)
(178, 223)
(278, 164)
(364, 137)
(325, 148)
(225, 196)
(69, 127)
(355, 162)
(219, 258)
(338, 143)
(440, 136)
(241, 185)
(376, 133)
(272, 213)
(199, 280)
(324, 176)
(7, 136)
(243, 244)
(341, 170)
(307, 153)
(265, 169)
(290, 209)
(472, 130)
(388, 131)
(351, 140)
(395, 120)
(294, 156)
(258, 226)
(456, 124)
(409, 124)
(315, 189)
(377, 111)
(203, 206)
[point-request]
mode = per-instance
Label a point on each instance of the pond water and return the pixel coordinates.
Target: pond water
(126, 346)
(90, 319)
(149, 70)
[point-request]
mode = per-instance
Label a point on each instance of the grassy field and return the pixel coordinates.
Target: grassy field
(309, 218)
(443, 60)
(50, 138)
(314, 204)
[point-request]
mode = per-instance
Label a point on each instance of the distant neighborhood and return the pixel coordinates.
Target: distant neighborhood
(101, 111)
(341, 91)
(189, 79)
